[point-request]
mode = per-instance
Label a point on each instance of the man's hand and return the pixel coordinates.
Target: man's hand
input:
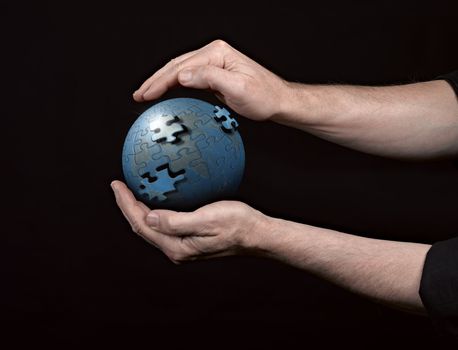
(238, 81)
(218, 229)
(383, 270)
(407, 121)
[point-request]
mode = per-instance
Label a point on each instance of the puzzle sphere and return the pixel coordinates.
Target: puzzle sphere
(182, 153)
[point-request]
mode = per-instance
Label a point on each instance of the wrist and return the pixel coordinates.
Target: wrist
(288, 97)
(294, 105)
(281, 240)
(264, 236)
(307, 106)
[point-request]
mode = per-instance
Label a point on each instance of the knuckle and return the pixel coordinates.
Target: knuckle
(244, 87)
(176, 64)
(176, 256)
(205, 216)
(211, 223)
(219, 43)
(136, 227)
(169, 225)
(212, 220)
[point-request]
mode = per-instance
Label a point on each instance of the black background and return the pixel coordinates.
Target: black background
(72, 272)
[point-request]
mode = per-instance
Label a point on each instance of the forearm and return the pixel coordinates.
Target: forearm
(385, 271)
(406, 121)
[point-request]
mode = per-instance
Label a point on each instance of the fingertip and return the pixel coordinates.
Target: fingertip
(136, 96)
(118, 186)
(122, 192)
(114, 185)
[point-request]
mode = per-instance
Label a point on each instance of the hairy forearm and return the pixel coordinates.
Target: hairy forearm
(407, 121)
(386, 271)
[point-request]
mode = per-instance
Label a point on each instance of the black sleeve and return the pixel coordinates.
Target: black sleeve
(439, 287)
(452, 79)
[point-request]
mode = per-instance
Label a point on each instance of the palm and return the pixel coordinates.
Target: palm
(215, 229)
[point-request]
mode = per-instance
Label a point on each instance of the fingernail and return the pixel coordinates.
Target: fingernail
(113, 186)
(152, 219)
(185, 76)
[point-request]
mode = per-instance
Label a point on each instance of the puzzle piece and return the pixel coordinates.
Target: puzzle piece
(133, 139)
(233, 153)
(192, 177)
(184, 156)
(139, 136)
(166, 128)
(160, 184)
(220, 161)
(157, 152)
(201, 141)
(203, 119)
(211, 135)
(142, 155)
(200, 167)
(193, 109)
(223, 115)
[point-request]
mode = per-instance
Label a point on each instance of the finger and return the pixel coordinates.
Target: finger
(174, 63)
(116, 186)
(169, 78)
(210, 55)
(177, 223)
(211, 77)
(146, 210)
(135, 214)
(138, 95)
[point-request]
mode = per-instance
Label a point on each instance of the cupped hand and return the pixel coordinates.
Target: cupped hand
(218, 229)
(244, 85)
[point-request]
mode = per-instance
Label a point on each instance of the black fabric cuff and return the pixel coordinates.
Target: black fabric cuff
(452, 79)
(439, 287)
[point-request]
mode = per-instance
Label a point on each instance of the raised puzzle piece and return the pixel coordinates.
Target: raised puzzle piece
(155, 187)
(223, 115)
(166, 128)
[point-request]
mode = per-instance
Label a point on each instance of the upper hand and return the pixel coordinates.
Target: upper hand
(238, 81)
(218, 229)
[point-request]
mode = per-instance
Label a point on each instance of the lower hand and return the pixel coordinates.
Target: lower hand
(218, 229)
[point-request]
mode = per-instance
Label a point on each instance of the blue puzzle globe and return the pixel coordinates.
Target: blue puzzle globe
(182, 153)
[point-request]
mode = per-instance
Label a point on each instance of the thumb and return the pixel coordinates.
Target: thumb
(174, 223)
(211, 77)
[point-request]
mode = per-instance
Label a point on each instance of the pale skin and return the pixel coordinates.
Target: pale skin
(413, 121)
